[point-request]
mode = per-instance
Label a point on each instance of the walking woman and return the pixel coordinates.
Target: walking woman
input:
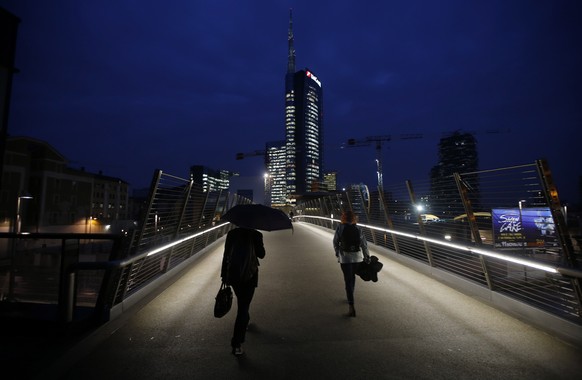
(351, 248)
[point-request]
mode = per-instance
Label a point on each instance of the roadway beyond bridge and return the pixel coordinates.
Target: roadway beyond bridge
(408, 326)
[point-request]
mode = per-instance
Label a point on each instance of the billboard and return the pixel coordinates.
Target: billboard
(525, 228)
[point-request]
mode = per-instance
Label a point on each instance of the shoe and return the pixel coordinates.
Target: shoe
(352, 311)
(237, 351)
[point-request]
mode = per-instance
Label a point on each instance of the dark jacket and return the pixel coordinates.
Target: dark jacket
(243, 238)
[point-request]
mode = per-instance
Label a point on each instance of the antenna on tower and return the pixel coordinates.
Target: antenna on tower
(290, 39)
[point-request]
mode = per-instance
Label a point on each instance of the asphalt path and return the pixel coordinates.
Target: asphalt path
(408, 326)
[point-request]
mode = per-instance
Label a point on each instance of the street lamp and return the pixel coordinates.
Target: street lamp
(16, 229)
(17, 219)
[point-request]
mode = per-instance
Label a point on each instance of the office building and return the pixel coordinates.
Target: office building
(275, 179)
(457, 154)
(44, 194)
(211, 179)
(303, 126)
(330, 180)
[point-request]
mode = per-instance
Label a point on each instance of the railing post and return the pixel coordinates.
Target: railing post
(553, 201)
(348, 201)
(463, 193)
(202, 214)
(169, 255)
(184, 207)
(12, 275)
(321, 211)
(337, 208)
(70, 300)
(67, 293)
(367, 211)
(389, 222)
(420, 224)
(151, 198)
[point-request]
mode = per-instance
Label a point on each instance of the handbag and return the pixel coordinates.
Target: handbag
(223, 301)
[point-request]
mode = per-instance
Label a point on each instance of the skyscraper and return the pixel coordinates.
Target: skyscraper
(303, 125)
(275, 182)
(210, 179)
(457, 154)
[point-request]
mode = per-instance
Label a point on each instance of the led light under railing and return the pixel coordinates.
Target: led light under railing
(478, 251)
(173, 244)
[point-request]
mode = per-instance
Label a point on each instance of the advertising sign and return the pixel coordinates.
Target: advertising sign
(525, 228)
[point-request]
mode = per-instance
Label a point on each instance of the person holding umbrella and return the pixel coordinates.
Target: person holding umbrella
(242, 249)
(351, 248)
(240, 269)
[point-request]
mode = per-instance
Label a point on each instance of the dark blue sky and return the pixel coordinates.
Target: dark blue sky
(128, 86)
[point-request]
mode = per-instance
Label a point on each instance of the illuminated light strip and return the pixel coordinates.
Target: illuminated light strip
(477, 251)
(167, 246)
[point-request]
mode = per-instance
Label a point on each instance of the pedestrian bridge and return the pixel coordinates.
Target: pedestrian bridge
(408, 325)
(449, 301)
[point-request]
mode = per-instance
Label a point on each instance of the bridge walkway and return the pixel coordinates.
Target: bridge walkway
(407, 326)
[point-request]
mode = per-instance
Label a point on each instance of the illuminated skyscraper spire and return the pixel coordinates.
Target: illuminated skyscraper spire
(291, 60)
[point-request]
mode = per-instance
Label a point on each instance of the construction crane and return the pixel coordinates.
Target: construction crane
(378, 141)
(240, 156)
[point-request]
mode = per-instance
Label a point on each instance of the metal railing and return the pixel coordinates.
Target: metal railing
(79, 277)
(88, 275)
(450, 224)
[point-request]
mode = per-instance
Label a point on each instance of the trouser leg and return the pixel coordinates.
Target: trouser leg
(244, 296)
(349, 271)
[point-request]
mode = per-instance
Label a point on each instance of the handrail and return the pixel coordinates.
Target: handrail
(60, 235)
(181, 222)
(570, 272)
(179, 241)
(111, 264)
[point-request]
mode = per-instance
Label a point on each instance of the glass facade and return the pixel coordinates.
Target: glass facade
(294, 166)
(275, 181)
(304, 133)
(210, 179)
(330, 180)
(290, 140)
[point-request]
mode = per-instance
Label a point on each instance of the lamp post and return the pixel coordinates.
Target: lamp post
(16, 230)
(17, 219)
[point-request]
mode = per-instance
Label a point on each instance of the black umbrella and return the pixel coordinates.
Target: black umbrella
(258, 217)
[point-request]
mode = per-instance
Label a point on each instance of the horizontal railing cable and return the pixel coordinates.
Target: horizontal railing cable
(494, 228)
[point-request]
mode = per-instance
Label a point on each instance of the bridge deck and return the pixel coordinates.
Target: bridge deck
(407, 326)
